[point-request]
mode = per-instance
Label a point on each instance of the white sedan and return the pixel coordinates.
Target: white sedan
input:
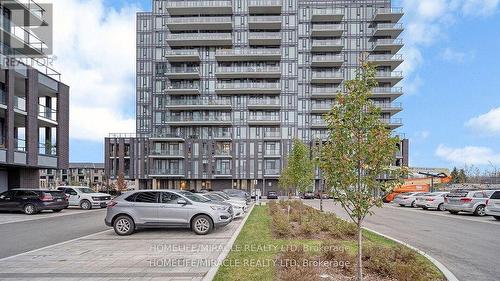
(407, 199)
(433, 200)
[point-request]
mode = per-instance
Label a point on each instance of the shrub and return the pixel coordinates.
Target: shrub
(291, 262)
(281, 226)
(334, 251)
(309, 226)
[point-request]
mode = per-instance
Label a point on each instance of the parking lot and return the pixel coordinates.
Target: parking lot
(11, 217)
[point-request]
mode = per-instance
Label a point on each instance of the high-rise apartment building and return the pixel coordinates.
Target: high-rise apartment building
(224, 86)
(34, 104)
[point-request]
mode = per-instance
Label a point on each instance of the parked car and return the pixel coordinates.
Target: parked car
(408, 199)
(493, 205)
(434, 200)
(85, 197)
(308, 195)
(166, 209)
(272, 195)
(32, 201)
(238, 193)
(239, 208)
(227, 197)
(468, 201)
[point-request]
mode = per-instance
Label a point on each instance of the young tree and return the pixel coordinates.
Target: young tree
(299, 171)
(121, 185)
(356, 161)
(454, 175)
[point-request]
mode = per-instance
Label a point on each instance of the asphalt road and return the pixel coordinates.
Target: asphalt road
(468, 246)
(22, 236)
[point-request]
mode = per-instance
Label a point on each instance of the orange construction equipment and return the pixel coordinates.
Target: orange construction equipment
(418, 185)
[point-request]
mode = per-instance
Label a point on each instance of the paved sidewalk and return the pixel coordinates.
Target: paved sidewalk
(152, 254)
(11, 217)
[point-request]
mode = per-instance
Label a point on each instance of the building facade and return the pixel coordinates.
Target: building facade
(224, 86)
(78, 174)
(34, 104)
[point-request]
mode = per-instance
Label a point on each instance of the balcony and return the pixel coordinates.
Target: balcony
(222, 173)
(219, 153)
(272, 173)
(392, 123)
(166, 154)
(167, 173)
(222, 136)
(327, 60)
(392, 30)
(204, 7)
(389, 107)
(335, 45)
(264, 6)
(20, 104)
(392, 61)
(248, 88)
(264, 22)
(264, 104)
(329, 77)
(321, 107)
(387, 92)
(198, 120)
(184, 89)
(272, 153)
(272, 135)
(183, 56)
(47, 113)
(388, 45)
(23, 38)
(183, 73)
(20, 145)
(327, 15)
(167, 138)
(249, 55)
(35, 12)
(318, 123)
(262, 120)
(327, 30)
(3, 99)
(388, 14)
(199, 23)
(325, 93)
(264, 38)
(199, 39)
(248, 72)
(193, 104)
(392, 77)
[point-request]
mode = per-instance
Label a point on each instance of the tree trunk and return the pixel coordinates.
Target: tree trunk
(359, 265)
(321, 201)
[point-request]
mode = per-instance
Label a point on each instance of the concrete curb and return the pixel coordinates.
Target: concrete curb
(213, 270)
(446, 272)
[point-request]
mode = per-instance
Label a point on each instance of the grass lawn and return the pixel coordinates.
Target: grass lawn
(256, 250)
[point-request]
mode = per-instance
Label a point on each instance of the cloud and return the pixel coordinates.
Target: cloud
(469, 155)
(487, 124)
(95, 49)
(421, 135)
(451, 55)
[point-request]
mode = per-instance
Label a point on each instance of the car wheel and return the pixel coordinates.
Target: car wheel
(413, 204)
(29, 209)
(441, 207)
(401, 205)
(497, 217)
(56, 210)
(453, 212)
(480, 211)
(86, 205)
(124, 225)
(202, 225)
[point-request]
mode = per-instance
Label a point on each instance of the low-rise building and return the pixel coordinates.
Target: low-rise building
(82, 174)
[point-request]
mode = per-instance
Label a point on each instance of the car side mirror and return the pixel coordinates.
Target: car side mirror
(182, 202)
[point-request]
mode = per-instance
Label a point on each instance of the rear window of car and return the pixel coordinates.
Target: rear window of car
(143, 197)
(25, 193)
(495, 195)
(458, 194)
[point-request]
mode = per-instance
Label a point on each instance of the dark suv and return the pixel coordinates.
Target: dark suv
(32, 201)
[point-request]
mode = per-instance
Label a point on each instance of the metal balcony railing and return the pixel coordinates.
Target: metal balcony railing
(322, 58)
(272, 134)
(272, 171)
(47, 112)
(223, 52)
(326, 90)
(183, 53)
(389, 74)
(327, 11)
(252, 69)
(272, 152)
(392, 121)
(198, 118)
(166, 152)
(322, 106)
(47, 149)
(221, 152)
(328, 74)
(388, 105)
(263, 102)
(223, 172)
(188, 20)
(20, 103)
(389, 11)
(383, 90)
(396, 57)
(20, 145)
(198, 36)
(389, 26)
(201, 102)
(333, 42)
(388, 42)
(184, 70)
(328, 27)
(222, 135)
(263, 118)
(264, 35)
(183, 86)
(196, 4)
(254, 3)
(260, 19)
(166, 171)
(248, 86)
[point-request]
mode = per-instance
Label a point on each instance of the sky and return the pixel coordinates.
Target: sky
(452, 77)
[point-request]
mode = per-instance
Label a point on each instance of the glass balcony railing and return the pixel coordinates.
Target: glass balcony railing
(199, 119)
(328, 74)
(322, 106)
(272, 134)
(201, 102)
(20, 145)
(197, 4)
(263, 118)
(389, 26)
(222, 135)
(327, 11)
(167, 171)
(272, 152)
(389, 11)
(323, 27)
(47, 112)
(396, 57)
(167, 152)
(175, 70)
(390, 90)
(392, 121)
(183, 53)
(20, 103)
(193, 86)
(223, 172)
(389, 42)
(326, 90)
(256, 102)
(272, 171)
(223, 152)
(243, 52)
(389, 74)
(333, 42)
(264, 35)
(324, 58)
(47, 149)
(188, 20)
(248, 86)
(388, 105)
(249, 69)
(3, 97)
(255, 3)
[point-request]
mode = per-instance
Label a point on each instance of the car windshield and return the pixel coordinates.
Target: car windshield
(214, 197)
(194, 197)
(223, 195)
(86, 190)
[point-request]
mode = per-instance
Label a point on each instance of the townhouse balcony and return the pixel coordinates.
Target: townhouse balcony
(204, 7)
(263, 120)
(166, 154)
(190, 89)
(47, 114)
(387, 92)
(387, 45)
(248, 55)
(392, 77)
(393, 123)
(318, 123)
(264, 104)
(327, 30)
(335, 45)
(222, 136)
(23, 38)
(34, 13)
(20, 104)
(388, 14)
(392, 30)
(325, 93)
(222, 173)
(264, 38)
(272, 153)
(197, 23)
(183, 73)
(223, 154)
(272, 135)
(329, 77)
(199, 39)
(198, 120)
(272, 173)
(193, 104)
(248, 88)
(264, 6)
(389, 107)
(392, 61)
(319, 135)
(327, 60)
(264, 22)
(248, 72)
(166, 173)
(167, 138)
(321, 107)
(183, 56)
(327, 14)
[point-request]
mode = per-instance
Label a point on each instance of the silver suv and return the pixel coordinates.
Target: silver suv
(166, 209)
(469, 201)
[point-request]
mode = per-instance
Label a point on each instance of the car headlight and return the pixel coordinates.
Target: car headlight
(96, 198)
(218, 208)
